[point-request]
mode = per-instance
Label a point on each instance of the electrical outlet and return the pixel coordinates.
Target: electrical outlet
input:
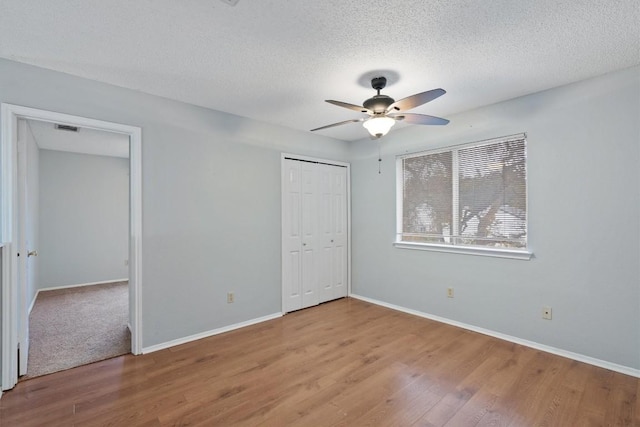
(230, 297)
(546, 313)
(449, 292)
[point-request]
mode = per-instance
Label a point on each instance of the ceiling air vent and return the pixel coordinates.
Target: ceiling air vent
(68, 128)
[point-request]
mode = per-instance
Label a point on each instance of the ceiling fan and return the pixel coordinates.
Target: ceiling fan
(384, 111)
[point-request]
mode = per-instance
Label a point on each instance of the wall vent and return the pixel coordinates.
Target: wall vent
(68, 128)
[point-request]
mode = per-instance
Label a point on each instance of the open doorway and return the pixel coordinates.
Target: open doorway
(14, 319)
(74, 214)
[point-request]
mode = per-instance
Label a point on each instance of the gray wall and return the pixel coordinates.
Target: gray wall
(210, 203)
(211, 213)
(584, 223)
(84, 218)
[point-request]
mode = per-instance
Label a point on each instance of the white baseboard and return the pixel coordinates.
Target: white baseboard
(557, 351)
(206, 334)
(53, 288)
(33, 302)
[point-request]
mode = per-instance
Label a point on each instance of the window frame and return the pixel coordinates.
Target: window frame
(520, 253)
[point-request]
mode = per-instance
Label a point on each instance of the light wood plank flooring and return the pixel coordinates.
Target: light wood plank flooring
(344, 363)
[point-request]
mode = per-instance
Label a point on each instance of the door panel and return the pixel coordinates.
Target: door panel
(326, 232)
(326, 281)
(309, 279)
(325, 219)
(291, 237)
(294, 274)
(333, 220)
(340, 272)
(339, 191)
(23, 214)
(310, 242)
(294, 215)
(28, 190)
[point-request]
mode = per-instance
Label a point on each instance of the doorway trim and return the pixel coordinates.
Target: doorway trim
(9, 116)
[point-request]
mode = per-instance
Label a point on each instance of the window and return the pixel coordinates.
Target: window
(472, 196)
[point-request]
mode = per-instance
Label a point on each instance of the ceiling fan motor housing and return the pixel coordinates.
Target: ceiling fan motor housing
(378, 103)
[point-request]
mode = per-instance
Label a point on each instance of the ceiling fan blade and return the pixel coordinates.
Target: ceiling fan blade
(419, 119)
(339, 123)
(414, 100)
(347, 105)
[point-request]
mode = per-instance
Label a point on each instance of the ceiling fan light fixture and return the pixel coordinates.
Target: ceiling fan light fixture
(379, 126)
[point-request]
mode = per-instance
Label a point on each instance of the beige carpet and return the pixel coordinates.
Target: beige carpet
(76, 326)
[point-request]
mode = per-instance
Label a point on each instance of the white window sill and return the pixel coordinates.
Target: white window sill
(491, 252)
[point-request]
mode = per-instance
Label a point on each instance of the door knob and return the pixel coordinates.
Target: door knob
(32, 253)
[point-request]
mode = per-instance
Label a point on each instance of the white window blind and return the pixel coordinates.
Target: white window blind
(474, 195)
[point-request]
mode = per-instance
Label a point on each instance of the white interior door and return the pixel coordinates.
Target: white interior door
(333, 231)
(314, 233)
(27, 235)
(310, 241)
(326, 219)
(23, 317)
(299, 235)
(291, 236)
(339, 231)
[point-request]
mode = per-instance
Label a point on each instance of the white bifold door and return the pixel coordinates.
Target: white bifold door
(314, 233)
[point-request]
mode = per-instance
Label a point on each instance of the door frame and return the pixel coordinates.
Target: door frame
(9, 116)
(285, 156)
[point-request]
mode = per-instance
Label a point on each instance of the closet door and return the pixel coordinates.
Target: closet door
(310, 241)
(333, 232)
(340, 239)
(299, 235)
(291, 236)
(314, 233)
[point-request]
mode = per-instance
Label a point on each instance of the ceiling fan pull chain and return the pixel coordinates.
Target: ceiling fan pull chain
(379, 156)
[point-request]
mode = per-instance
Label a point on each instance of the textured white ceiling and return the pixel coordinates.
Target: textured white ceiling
(278, 60)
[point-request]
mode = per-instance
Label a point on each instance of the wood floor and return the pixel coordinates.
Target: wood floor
(344, 363)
